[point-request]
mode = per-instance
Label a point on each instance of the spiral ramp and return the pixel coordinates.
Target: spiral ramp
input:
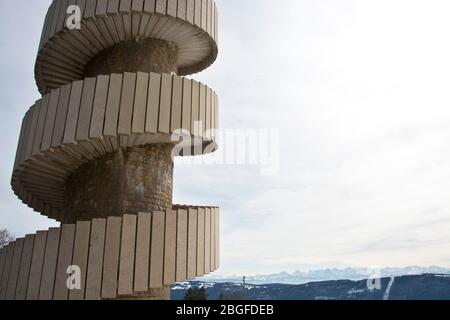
(80, 119)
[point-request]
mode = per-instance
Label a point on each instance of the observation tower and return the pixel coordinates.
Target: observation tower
(96, 152)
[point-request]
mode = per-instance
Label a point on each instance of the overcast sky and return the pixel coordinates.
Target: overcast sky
(360, 93)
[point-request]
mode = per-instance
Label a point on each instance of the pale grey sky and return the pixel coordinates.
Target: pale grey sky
(359, 91)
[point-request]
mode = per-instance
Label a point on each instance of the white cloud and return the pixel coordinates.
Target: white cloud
(359, 92)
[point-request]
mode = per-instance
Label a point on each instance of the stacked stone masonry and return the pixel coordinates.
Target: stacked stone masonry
(96, 152)
(126, 170)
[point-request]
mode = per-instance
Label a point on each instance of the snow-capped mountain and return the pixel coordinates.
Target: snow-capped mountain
(411, 287)
(326, 275)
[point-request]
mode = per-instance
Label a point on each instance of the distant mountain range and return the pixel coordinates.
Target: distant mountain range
(410, 287)
(326, 275)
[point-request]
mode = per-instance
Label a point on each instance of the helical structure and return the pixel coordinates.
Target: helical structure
(96, 152)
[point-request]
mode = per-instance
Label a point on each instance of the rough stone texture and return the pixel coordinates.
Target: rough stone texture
(128, 181)
(149, 55)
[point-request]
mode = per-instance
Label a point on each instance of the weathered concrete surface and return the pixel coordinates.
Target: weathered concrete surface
(148, 55)
(123, 182)
(154, 294)
(133, 180)
(128, 181)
